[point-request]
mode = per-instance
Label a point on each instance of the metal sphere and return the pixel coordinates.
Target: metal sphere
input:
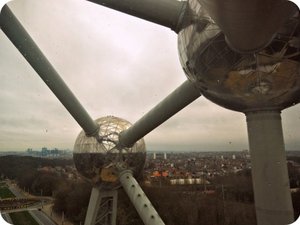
(96, 160)
(269, 79)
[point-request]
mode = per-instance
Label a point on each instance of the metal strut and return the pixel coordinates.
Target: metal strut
(184, 95)
(102, 209)
(138, 198)
(34, 56)
(168, 13)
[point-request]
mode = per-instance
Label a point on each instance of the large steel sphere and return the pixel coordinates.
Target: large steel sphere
(269, 79)
(96, 160)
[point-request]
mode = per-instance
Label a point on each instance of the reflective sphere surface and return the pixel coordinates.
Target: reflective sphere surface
(96, 160)
(269, 79)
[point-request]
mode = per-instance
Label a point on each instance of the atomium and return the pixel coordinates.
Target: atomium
(242, 55)
(96, 160)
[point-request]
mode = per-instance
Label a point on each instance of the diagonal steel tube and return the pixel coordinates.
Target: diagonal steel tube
(164, 12)
(185, 94)
(138, 198)
(31, 52)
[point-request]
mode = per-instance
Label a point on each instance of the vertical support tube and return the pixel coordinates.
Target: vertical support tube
(185, 94)
(34, 56)
(139, 199)
(102, 207)
(269, 168)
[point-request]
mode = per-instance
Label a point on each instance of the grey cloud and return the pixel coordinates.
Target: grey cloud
(116, 65)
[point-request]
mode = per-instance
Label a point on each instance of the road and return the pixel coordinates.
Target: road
(39, 216)
(7, 218)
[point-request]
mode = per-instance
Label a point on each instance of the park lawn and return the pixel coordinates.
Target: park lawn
(18, 218)
(5, 193)
(22, 218)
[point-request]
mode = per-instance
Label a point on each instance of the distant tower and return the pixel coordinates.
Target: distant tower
(233, 157)
(165, 155)
(154, 155)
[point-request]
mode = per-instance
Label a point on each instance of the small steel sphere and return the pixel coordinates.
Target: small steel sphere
(96, 161)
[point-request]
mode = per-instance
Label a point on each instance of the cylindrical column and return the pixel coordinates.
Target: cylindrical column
(31, 52)
(185, 94)
(164, 12)
(269, 168)
(138, 198)
(249, 25)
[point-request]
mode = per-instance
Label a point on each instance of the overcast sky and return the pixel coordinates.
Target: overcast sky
(116, 65)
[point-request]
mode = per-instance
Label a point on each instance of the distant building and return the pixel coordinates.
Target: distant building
(188, 181)
(160, 155)
(47, 153)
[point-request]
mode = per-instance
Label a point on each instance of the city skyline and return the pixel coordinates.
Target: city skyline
(116, 65)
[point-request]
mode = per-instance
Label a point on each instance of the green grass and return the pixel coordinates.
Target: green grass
(22, 218)
(18, 218)
(6, 193)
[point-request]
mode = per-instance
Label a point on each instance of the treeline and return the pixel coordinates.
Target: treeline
(24, 170)
(174, 205)
(72, 198)
(228, 200)
(196, 208)
(224, 203)
(13, 166)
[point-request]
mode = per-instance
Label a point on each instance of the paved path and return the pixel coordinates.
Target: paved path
(39, 216)
(7, 218)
